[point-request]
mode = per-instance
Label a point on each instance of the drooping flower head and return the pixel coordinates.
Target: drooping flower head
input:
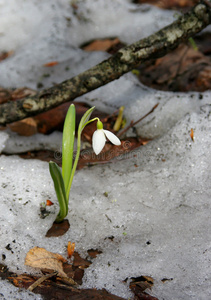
(99, 138)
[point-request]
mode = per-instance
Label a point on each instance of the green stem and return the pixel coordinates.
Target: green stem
(92, 120)
(77, 158)
(74, 166)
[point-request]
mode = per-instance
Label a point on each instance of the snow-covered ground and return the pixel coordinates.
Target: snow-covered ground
(158, 204)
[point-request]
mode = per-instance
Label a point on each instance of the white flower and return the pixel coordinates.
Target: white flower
(99, 139)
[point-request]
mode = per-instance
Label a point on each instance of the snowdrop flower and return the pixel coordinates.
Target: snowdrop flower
(99, 138)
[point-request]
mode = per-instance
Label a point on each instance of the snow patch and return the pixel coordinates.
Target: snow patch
(158, 203)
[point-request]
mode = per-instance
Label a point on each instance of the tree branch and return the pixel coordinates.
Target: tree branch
(154, 46)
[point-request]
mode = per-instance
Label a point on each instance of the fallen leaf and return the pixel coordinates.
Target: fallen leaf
(101, 45)
(70, 249)
(76, 269)
(51, 64)
(41, 258)
(5, 95)
(80, 262)
(139, 284)
(49, 202)
(169, 4)
(12, 95)
(94, 252)
(192, 134)
(183, 69)
(4, 55)
(22, 93)
(26, 127)
(58, 229)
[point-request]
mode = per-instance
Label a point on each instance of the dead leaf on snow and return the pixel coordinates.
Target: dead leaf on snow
(192, 134)
(26, 127)
(41, 258)
(51, 64)
(4, 55)
(49, 202)
(70, 249)
(169, 4)
(139, 285)
(58, 229)
(101, 45)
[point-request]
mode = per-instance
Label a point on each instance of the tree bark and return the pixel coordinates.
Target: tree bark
(154, 46)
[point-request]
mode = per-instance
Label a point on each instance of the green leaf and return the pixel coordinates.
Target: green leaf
(68, 146)
(56, 175)
(85, 119)
(82, 124)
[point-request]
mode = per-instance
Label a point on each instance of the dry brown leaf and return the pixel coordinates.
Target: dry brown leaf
(101, 45)
(4, 55)
(58, 229)
(169, 4)
(139, 284)
(12, 95)
(192, 134)
(49, 202)
(51, 64)
(22, 93)
(41, 258)
(70, 249)
(26, 127)
(183, 69)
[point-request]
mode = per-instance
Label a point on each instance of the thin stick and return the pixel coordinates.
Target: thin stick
(40, 280)
(136, 122)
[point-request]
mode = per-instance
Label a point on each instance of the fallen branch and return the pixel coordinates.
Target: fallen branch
(154, 46)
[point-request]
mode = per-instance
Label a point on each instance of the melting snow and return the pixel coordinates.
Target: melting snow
(158, 204)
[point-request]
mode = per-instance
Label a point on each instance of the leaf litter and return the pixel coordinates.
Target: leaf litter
(61, 278)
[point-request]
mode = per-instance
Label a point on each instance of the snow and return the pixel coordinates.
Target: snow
(158, 202)
(19, 144)
(36, 40)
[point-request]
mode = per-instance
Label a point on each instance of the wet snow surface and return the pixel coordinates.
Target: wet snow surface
(158, 204)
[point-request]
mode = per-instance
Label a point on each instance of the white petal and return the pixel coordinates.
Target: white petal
(112, 137)
(98, 141)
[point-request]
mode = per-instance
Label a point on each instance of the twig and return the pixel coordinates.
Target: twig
(40, 280)
(136, 122)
